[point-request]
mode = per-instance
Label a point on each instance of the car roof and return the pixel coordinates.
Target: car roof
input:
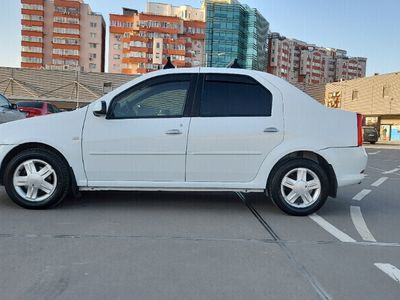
(276, 81)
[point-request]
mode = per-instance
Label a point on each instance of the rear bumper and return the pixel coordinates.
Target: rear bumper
(348, 164)
(370, 139)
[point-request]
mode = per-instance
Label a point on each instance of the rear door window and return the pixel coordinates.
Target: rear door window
(226, 95)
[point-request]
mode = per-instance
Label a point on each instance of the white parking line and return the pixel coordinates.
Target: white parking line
(391, 171)
(390, 270)
(361, 194)
(373, 153)
(340, 235)
(380, 181)
(359, 223)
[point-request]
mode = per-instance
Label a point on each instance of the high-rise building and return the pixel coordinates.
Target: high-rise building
(141, 42)
(235, 31)
(62, 34)
(185, 12)
(300, 62)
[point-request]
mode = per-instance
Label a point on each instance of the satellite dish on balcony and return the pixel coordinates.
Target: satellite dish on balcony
(169, 64)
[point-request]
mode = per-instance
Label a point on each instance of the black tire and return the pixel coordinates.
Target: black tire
(60, 168)
(276, 193)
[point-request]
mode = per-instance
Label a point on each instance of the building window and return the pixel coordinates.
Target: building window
(93, 24)
(32, 6)
(354, 95)
(117, 56)
(67, 10)
(32, 17)
(32, 49)
(66, 52)
(386, 91)
(92, 56)
(33, 60)
(32, 28)
(117, 46)
(34, 39)
(65, 41)
(93, 35)
(93, 45)
(66, 30)
(92, 66)
(65, 20)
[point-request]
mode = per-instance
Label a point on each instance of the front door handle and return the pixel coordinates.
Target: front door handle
(173, 132)
(271, 129)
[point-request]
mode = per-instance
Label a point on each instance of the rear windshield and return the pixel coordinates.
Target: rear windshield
(369, 130)
(30, 104)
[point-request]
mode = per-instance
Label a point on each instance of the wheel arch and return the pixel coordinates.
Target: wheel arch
(25, 146)
(310, 155)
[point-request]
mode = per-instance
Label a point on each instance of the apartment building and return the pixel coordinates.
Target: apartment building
(185, 12)
(300, 62)
(141, 42)
(63, 35)
(235, 31)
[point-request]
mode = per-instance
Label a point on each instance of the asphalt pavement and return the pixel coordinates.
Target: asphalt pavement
(154, 245)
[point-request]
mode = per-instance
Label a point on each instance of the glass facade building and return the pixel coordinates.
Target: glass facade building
(234, 31)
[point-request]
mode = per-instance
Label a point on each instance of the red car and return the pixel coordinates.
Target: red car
(36, 108)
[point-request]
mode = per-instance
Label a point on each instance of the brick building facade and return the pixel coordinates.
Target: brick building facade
(62, 34)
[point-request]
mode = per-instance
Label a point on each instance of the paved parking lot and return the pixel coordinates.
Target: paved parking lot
(207, 246)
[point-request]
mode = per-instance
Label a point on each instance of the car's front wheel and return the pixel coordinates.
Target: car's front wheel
(37, 179)
(299, 187)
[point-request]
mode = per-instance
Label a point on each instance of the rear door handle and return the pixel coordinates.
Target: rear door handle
(173, 132)
(271, 129)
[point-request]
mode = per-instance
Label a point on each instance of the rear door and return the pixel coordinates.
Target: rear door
(237, 121)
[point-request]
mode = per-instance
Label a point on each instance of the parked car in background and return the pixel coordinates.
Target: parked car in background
(8, 112)
(203, 129)
(370, 134)
(36, 108)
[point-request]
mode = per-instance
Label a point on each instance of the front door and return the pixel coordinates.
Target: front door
(144, 136)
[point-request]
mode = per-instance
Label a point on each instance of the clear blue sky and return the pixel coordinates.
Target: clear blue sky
(366, 28)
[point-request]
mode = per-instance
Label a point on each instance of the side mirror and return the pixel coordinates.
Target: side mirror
(13, 106)
(100, 108)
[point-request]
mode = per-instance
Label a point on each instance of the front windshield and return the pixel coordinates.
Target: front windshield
(4, 102)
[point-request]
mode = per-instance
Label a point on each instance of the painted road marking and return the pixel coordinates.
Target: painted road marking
(373, 153)
(390, 270)
(380, 181)
(391, 171)
(361, 195)
(340, 235)
(359, 223)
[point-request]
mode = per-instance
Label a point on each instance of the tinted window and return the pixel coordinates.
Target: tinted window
(50, 108)
(368, 130)
(30, 104)
(234, 96)
(163, 99)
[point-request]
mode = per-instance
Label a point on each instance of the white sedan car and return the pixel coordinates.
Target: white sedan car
(198, 129)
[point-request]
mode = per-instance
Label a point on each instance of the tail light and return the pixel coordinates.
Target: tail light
(359, 130)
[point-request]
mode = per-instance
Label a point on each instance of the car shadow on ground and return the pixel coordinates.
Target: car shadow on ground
(157, 200)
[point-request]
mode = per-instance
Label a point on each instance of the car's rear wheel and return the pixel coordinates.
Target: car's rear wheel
(37, 179)
(299, 187)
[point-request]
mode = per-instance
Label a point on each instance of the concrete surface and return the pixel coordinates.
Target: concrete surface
(203, 246)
